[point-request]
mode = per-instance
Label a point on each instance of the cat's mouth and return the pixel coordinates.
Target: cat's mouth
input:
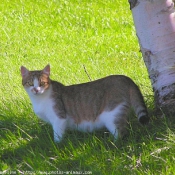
(37, 91)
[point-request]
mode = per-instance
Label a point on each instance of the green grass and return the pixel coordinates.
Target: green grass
(75, 37)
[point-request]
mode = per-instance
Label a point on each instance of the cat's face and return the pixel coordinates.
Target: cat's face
(35, 82)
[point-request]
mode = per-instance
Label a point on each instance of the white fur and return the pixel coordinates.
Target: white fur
(104, 120)
(43, 108)
(42, 104)
(36, 83)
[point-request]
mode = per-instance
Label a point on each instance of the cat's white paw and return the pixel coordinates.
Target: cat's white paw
(57, 139)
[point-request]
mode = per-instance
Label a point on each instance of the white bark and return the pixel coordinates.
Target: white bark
(155, 26)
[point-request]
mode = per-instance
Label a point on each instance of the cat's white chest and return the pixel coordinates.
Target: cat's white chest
(43, 108)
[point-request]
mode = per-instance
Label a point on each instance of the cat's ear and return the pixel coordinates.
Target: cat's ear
(24, 72)
(46, 70)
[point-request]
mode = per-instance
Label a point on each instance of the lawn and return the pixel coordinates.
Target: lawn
(83, 41)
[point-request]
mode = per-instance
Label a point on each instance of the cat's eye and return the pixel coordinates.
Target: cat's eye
(30, 83)
(42, 83)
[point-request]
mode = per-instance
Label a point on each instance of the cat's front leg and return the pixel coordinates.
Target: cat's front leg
(59, 127)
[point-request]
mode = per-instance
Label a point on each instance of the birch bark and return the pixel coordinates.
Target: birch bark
(155, 27)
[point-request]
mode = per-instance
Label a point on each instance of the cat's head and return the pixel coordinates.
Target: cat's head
(35, 82)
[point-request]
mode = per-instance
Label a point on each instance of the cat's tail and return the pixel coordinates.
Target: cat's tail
(139, 106)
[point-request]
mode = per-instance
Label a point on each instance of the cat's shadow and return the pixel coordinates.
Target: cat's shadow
(40, 139)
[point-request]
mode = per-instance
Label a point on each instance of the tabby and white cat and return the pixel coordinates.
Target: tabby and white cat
(102, 103)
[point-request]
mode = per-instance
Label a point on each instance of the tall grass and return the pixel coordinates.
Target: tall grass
(82, 40)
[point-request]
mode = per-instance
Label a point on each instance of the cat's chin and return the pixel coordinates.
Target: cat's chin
(38, 93)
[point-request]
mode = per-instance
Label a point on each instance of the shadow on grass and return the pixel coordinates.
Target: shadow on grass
(29, 146)
(23, 141)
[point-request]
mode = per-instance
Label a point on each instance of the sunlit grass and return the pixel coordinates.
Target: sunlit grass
(82, 41)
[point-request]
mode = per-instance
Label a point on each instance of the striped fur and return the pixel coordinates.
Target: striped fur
(102, 103)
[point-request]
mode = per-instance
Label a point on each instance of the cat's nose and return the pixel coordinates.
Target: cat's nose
(35, 89)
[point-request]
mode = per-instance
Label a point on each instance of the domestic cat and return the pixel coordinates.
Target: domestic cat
(102, 103)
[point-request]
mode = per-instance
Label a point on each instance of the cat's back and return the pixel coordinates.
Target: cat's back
(104, 84)
(92, 98)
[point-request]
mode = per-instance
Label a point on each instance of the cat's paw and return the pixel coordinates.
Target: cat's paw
(57, 139)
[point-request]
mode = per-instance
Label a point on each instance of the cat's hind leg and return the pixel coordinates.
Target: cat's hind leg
(112, 129)
(116, 120)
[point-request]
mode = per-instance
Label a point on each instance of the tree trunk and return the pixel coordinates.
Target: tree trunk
(155, 26)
